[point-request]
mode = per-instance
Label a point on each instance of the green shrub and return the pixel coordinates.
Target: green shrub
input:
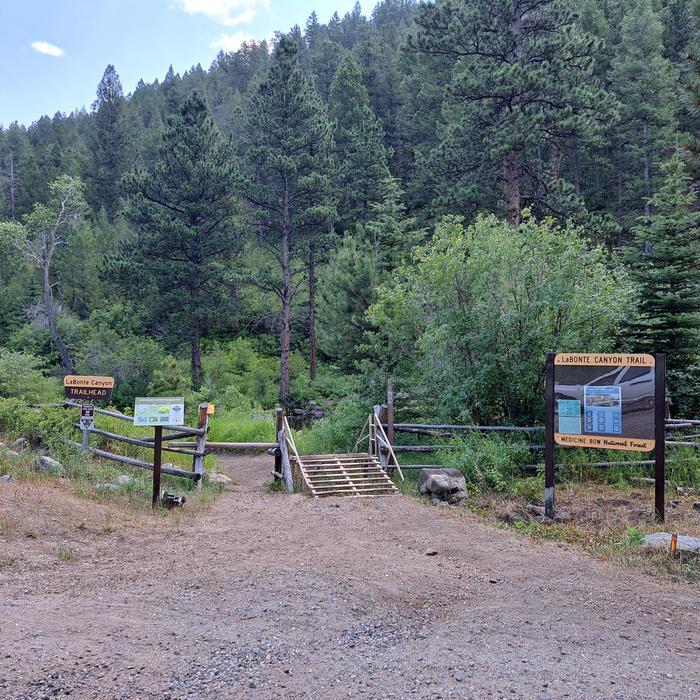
(23, 376)
(487, 462)
(337, 432)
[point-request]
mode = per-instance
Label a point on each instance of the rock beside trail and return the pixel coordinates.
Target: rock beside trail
(442, 484)
(106, 487)
(48, 465)
(6, 477)
(19, 444)
(124, 480)
(215, 478)
(662, 540)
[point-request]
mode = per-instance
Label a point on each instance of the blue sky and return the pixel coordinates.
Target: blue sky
(54, 52)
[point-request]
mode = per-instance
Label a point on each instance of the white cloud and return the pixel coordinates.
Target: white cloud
(47, 49)
(230, 13)
(231, 42)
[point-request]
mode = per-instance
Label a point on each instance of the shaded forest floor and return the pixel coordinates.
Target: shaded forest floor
(267, 595)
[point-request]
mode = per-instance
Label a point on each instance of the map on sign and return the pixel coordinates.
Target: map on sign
(161, 410)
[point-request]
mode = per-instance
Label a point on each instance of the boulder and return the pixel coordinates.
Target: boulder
(218, 478)
(106, 487)
(662, 540)
(48, 465)
(6, 477)
(696, 506)
(124, 480)
(19, 444)
(442, 484)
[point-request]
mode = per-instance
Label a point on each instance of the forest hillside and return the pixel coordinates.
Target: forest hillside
(438, 192)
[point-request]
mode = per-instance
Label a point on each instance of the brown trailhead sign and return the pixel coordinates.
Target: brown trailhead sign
(605, 401)
(88, 387)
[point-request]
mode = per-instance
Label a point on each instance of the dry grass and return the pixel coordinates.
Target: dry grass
(608, 521)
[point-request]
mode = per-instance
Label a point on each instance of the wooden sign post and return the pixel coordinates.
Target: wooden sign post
(155, 411)
(157, 461)
(608, 401)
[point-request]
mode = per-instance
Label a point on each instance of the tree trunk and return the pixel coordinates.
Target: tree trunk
(647, 173)
(286, 302)
(196, 345)
(312, 311)
(511, 188)
(66, 359)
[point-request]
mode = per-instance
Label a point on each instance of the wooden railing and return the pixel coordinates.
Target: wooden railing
(378, 444)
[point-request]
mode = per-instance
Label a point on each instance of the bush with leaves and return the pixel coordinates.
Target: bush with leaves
(472, 320)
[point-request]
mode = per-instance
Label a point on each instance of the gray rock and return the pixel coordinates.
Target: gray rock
(662, 540)
(19, 444)
(218, 478)
(106, 487)
(7, 477)
(563, 516)
(442, 484)
(124, 480)
(696, 506)
(48, 465)
(534, 509)
(686, 490)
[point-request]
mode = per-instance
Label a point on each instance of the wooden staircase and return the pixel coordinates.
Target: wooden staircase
(354, 475)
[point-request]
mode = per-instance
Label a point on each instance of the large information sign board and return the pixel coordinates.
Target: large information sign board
(161, 410)
(609, 402)
(605, 401)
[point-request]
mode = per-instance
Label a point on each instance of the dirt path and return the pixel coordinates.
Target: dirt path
(275, 596)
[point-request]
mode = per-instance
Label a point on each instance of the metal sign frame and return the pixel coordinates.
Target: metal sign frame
(611, 360)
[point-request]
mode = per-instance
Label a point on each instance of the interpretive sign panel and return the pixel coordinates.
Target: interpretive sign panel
(605, 401)
(161, 410)
(609, 402)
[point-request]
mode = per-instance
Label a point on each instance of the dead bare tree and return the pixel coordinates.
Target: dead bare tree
(37, 238)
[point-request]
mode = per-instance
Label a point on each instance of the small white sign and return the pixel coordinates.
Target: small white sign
(161, 410)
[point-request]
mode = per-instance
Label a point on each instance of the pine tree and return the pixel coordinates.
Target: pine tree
(183, 209)
(289, 162)
(522, 86)
(360, 151)
(364, 259)
(664, 260)
(110, 144)
(643, 81)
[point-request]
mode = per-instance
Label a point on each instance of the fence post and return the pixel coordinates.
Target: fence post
(157, 459)
(281, 444)
(203, 424)
(390, 411)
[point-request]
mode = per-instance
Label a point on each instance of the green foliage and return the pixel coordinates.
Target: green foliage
(667, 247)
(336, 433)
(183, 208)
(472, 321)
(487, 462)
(522, 74)
(23, 376)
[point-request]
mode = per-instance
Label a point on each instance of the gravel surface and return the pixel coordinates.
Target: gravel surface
(276, 596)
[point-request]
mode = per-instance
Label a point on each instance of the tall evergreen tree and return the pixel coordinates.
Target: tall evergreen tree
(110, 144)
(183, 208)
(643, 81)
(665, 263)
(522, 86)
(289, 160)
(361, 155)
